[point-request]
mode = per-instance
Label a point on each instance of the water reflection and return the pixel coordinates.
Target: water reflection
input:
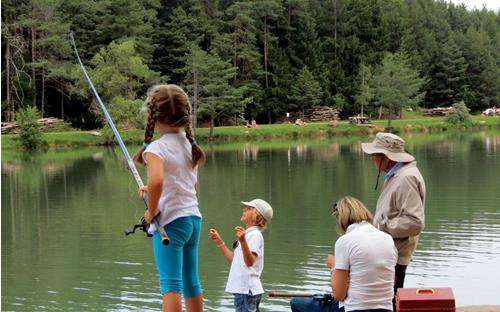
(68, 210)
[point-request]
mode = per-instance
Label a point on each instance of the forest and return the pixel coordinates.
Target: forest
(247, 59)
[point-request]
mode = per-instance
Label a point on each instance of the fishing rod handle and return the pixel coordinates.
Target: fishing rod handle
(287, 294)
(165, 240)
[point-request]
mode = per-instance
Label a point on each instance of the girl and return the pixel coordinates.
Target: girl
(172, 161)
(362, 272)
(247, 260)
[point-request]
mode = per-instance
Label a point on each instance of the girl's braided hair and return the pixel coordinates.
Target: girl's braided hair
(169, 105)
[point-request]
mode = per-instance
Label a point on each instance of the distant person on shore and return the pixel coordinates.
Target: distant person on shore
(247, 259)
(172, 165)
(401, 204)
(362, 269)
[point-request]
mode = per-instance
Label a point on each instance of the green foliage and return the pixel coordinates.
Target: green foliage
(339, 101)
(207, 79)
(306, 91)
(30, 131)
(365, 94)
(119, 75)
(396, 85)
(132, 44)
(459, 114)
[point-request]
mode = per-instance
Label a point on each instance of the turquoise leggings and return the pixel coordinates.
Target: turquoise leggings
(177, 262)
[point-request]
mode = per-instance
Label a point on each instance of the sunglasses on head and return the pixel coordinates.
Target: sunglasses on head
(335, 210)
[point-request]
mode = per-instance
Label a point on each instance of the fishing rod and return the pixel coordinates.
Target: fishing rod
(326, 297)
(143, 226)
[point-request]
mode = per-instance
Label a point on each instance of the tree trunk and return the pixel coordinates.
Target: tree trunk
(335, 20)
(265, 51)
(7, 83)
(211, 132)
(195, 100)
(33, 60)
(62, 103)
(42, 104)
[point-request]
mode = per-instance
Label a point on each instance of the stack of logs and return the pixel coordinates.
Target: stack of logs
(11, 127)
(438, 111)
(322, 113)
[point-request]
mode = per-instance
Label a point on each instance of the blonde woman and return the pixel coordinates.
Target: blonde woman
(362, 271)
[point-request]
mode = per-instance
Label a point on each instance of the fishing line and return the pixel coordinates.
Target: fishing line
(131, 166)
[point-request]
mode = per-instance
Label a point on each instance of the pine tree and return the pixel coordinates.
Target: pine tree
(306, 91)
(396, 85)
(174, 38)
(207, 80)
(282, 79)
(482, 76)
(446, 85)
(365, 94)
(239, 43)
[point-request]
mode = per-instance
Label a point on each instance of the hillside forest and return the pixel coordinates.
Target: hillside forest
(247, 59)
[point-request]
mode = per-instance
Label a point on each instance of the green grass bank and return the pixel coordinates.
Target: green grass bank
(274, 132)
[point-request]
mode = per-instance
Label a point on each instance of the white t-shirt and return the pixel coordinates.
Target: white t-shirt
(370, 257)
(178, 197)
(243, 279)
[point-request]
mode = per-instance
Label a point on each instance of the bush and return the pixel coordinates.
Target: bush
(459, 114)
(30, 131)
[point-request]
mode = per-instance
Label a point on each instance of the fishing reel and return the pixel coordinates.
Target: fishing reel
(143, 226)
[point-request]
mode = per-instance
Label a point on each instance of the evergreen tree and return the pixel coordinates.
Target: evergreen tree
(482, 76)
(396, 85)
(207, 79)
(306, 91)
(238, 43)
(282, 80)
(175, 37)
(365, 94)
(446, 85)
(267, 12)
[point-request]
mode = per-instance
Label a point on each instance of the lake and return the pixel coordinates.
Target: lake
(64, 213)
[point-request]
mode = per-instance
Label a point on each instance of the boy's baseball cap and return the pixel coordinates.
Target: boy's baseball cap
(261, 206)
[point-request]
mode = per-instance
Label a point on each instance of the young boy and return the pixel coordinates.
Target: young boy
(247, 260)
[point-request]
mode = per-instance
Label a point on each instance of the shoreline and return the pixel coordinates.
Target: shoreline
(273, 132)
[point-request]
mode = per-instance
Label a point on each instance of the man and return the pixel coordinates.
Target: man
(401, 204)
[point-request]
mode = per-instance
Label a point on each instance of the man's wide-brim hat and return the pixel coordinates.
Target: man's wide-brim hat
(390, 145)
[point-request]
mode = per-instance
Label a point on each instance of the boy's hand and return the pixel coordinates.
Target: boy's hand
(215, 237)
(142, 190)
(240, 233)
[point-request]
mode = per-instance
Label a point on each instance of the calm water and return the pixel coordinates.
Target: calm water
(63, 216)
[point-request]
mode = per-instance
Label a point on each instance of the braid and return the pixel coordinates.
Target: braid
(150, 129)
(197, 153)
